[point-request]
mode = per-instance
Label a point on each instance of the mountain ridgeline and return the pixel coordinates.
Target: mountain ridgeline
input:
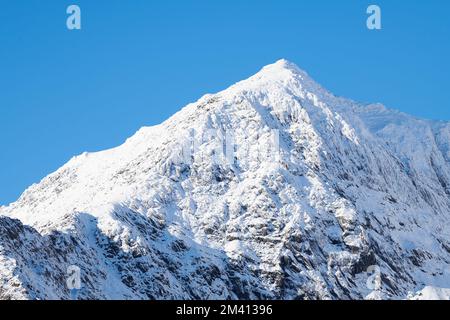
(272, 189)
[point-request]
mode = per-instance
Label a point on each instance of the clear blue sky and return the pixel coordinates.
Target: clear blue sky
(137, 62)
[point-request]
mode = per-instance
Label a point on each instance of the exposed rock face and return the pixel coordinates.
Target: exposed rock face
(271, 189)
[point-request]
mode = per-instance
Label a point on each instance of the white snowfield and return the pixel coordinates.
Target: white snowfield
(431, 293)
(272, 189)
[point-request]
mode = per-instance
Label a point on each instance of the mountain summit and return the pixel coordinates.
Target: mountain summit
(272, 189)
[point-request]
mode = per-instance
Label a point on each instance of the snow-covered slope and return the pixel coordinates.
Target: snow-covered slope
(273, 188)
(431, 293)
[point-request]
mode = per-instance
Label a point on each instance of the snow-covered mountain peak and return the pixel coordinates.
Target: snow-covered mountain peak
(282, 67)
(272, 188)
(281, 75)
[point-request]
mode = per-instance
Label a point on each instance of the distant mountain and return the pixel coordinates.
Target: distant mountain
(272, 189)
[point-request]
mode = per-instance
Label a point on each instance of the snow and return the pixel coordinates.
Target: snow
(431, 293)
(272, 188)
